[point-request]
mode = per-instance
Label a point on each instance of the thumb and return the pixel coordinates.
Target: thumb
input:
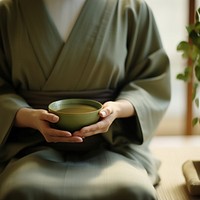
(105, 112)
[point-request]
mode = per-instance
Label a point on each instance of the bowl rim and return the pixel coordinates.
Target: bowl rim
(76, 102)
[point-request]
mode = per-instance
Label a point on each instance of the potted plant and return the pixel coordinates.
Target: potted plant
(191, 51)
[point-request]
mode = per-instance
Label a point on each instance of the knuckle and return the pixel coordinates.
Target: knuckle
(100, 125)
(103, 125)
(106, 123)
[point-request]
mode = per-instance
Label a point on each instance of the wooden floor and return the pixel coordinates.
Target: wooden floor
(173, 151)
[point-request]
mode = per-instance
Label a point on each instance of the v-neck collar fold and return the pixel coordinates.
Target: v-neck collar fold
(44, 38)
(76, 52)
(51, 51)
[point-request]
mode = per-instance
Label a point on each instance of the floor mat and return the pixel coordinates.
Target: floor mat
(173, 184)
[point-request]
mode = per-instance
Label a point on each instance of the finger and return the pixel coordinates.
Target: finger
(73, 139)
(100, 127)
(50, 117)
(57, 133)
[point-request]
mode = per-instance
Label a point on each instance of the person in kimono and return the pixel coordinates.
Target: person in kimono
(106, 50)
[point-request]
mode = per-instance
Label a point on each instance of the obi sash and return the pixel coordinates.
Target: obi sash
(41, 99)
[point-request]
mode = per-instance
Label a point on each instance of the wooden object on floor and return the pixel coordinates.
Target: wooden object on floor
(191, 171)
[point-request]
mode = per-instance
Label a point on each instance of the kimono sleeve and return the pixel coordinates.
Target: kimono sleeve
(10, 102)
(147, 84)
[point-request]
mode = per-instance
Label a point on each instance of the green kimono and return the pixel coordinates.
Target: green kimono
(113, 52)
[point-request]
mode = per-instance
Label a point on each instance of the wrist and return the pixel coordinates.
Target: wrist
(124, 108)
(25, 118)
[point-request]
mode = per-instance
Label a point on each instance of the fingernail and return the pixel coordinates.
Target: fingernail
(55, 118)
(103, 113)
(68, 134)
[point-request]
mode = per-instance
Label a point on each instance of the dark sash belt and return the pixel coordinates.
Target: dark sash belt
(41, 99)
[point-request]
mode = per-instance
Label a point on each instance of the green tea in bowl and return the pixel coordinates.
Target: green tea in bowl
(75, 113)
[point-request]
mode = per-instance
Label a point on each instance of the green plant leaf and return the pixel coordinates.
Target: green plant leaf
(183, 45)
(190, 28)
(182, 77)
(195, 86)
(197, 27)
(185, 48)
(197, 102)
(193, 52)
(197, 72)
(195, 121)
(186, 75)
(189, 50)
(194, 36)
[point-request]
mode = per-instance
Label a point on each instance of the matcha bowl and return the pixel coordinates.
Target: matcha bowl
(75, 113)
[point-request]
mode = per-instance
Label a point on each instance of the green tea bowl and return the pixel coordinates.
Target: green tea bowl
(75, 113)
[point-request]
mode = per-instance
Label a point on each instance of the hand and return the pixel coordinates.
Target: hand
(40, 119)
(110, 111)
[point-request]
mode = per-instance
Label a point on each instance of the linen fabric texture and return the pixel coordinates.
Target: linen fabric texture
(113, 52)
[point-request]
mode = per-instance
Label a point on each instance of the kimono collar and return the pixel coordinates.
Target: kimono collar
(52, 52)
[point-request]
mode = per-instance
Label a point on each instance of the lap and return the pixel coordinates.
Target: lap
(51, 174)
